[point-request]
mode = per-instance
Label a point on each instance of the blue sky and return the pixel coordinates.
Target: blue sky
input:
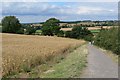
(66, 11)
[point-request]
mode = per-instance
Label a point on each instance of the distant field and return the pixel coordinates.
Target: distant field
(22, 52)
(95, 31)
(89, 28)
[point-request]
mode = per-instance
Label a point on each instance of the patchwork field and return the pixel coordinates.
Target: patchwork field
(22, 52)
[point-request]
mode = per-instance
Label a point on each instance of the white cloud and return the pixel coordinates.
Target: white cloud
(92, 10)
(25, 8)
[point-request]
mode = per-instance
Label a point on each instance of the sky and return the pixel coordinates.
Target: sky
(30, 12)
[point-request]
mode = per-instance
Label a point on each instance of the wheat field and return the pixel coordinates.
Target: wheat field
(25, 51)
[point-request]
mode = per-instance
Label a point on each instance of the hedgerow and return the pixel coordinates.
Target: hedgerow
(109, 39)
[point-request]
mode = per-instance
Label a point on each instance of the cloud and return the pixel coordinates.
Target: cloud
(47, 9)
(93, 10)
(32, 11)
(23, 8)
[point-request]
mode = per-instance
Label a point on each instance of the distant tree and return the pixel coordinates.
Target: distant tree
(51, 27)
(68, 34)
(30, 30)
(10, 24)
(20, 31)
(60, 34)
(79, 32)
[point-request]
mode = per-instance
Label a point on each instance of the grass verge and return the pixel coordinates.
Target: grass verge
(70, 67)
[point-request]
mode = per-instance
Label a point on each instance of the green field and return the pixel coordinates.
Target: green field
(95, 31)
(38, 32)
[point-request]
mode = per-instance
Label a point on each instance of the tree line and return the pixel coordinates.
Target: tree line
(11, 24)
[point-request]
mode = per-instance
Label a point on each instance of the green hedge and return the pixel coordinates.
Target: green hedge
(109, 39)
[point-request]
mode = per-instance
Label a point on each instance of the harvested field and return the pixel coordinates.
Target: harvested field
(90, 28)
(22, 52)
(66, 29)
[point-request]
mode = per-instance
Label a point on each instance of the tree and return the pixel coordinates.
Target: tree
(10, 24)
(60, 34)
(68, 34)
(29, 30)
(51, 27)
(79, 32)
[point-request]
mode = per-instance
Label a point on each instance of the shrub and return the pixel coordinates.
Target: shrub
(79, 32)
(60, 34)
(109, 40)
(21, 31)
(89, 38)
(68, 34)
(30, 30)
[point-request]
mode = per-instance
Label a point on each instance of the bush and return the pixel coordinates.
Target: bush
(30, 30)
(89, 38)
(109, 40)
(60, 34)
(21, 31)
(68, 34)
(79, 32)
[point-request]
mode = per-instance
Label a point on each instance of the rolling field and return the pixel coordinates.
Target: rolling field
(22, 52)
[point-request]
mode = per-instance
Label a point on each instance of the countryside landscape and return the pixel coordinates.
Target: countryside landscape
(56, 42)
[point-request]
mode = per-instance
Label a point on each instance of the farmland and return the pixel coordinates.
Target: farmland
(21, 52)
(90, 28)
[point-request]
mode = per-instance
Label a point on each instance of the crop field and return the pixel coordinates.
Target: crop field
(95, 31)
(22, 52)
(90, 28)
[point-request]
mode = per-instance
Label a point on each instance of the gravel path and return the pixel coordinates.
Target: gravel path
(99, 65)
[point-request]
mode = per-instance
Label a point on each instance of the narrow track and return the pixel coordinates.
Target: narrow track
(99, 65)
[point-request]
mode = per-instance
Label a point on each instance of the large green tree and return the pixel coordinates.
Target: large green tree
(10, 24)
(51, 27)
